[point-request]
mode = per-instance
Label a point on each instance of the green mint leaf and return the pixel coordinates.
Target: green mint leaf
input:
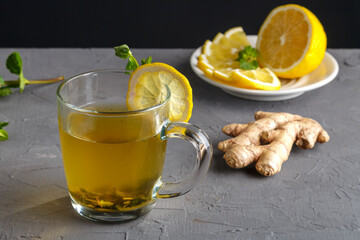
(3, 124)
(3, 135)
(132, 64)
(251, 52)
(123, 51)
(2, 82)
(5, 91)
(248, 65)
(255, 63)
(146, 60)
(248, 58)
(14, 63)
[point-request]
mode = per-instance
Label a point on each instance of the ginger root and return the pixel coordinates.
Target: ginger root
(268, 140)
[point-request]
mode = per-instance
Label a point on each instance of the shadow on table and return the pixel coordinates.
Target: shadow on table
(58, 210)
(54, 210)
(58, 220)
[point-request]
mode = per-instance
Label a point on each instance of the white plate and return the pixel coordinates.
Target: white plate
(325, 73)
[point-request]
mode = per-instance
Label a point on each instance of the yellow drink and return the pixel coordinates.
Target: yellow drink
(111, 163)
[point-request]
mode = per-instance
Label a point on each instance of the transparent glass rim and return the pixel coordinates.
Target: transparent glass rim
(81, 110)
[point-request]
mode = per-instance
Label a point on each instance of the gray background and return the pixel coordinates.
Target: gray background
(315, 196)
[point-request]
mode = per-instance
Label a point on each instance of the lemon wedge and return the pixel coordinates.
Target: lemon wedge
(291, 41)
(147, 89)
(261, 79)
(237, 35)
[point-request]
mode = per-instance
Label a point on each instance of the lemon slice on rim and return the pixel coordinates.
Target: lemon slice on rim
(147, 89)
(291, 41)
(261, 79)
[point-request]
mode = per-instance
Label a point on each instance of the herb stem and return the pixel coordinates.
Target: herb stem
(45, 81)
(40, 81)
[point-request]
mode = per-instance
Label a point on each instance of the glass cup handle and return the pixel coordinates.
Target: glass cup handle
(199, 139)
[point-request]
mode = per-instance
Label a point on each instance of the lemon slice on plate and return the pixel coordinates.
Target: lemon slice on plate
(260, 78)
(218, 62)
(147, 89)
(291, 41)
(218, 56)
(238, 35)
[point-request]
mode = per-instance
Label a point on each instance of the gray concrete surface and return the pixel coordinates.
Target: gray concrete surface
(315, 196)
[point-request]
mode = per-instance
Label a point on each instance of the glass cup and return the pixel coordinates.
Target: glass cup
(113, 157)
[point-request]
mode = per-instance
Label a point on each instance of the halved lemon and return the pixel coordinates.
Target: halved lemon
(291, 41)
(147, 89)
(261, 79)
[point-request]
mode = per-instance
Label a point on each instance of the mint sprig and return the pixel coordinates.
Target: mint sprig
(124, 52)
(248, 58)
(15, 65)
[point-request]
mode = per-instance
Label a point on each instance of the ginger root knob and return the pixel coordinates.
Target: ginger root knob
(269, 139)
